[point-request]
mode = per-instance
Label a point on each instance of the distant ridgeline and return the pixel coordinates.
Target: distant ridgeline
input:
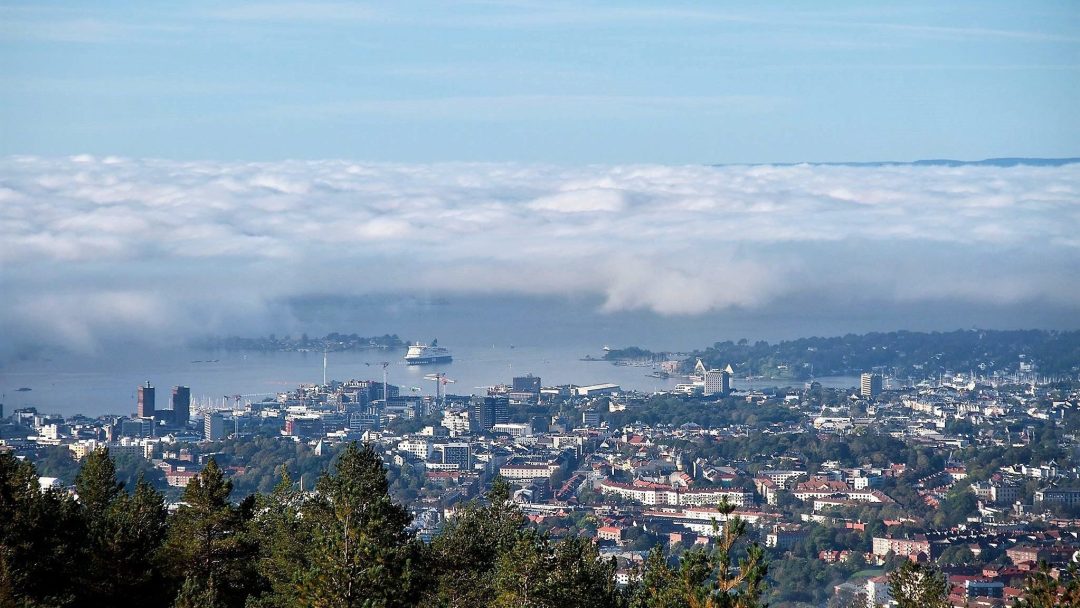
(935, 162)
(903, 353)
(331, 342)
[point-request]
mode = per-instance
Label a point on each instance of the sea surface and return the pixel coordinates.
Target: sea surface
(106, 383)
(492, 340)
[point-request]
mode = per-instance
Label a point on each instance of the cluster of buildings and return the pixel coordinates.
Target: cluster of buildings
(975, 585)
(704, 382)
(630, 486)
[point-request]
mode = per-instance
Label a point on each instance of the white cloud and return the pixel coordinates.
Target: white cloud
(90, 247)
(581, 201)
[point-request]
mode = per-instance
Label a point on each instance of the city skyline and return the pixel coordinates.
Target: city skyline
(537, 303)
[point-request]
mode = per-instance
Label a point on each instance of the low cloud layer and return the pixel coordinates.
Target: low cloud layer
(92, 248)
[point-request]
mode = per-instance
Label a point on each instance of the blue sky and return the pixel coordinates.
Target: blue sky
(547, 81)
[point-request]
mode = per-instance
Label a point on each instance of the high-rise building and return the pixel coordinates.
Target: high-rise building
(590, 418)
(136, 427)
(527, 384)
(213, 426)
(718, 381)
(870, 385)
(453, 453)
(501, 408)
(181, 405)
(146, 401)
(489, 411)
(482, 417)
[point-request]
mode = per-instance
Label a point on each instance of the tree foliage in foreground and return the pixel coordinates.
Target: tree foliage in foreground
(350, 545)
(706, 578)
(1041, 590)
(916, 586)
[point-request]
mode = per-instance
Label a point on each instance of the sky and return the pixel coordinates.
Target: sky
(546, 81)
(169, 170)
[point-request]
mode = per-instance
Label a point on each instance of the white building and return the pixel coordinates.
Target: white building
(457, 422)
(718, 381)
(877, 591)
(513, 429)
(659, 494)
(594, 390)
(527, 471)
(780, 477)
(420, 448)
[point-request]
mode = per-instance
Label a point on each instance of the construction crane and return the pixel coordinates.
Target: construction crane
(384, 364)
(236, 398)
(440, 383)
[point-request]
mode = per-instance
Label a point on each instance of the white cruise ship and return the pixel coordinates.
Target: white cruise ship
(422, 354)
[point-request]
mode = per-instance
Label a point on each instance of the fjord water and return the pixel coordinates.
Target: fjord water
(95, 385)
(491, 340)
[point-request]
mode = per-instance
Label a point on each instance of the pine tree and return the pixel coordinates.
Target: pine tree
(205, 548)
(658, 586)
(580, 578)
(97, 487)
(1041, 590)
(121, 532)
(362, 553)
(707, 579)
(465, 553)
(522, 573)
(138, 530)
(39, 539)
(284, 537)
(915, 586)
(537, 573)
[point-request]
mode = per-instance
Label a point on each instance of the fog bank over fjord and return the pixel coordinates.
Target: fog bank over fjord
(100, 249)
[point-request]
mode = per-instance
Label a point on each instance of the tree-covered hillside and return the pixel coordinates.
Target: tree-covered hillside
(903, 353)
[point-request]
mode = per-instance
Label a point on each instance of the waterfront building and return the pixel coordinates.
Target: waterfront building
(596, 390)
(718, 381)
(527, 384)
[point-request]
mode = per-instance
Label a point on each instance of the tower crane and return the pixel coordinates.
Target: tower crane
(236, 398)
(440, 385)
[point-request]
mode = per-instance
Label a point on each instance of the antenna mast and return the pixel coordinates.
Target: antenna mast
(385, 364)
